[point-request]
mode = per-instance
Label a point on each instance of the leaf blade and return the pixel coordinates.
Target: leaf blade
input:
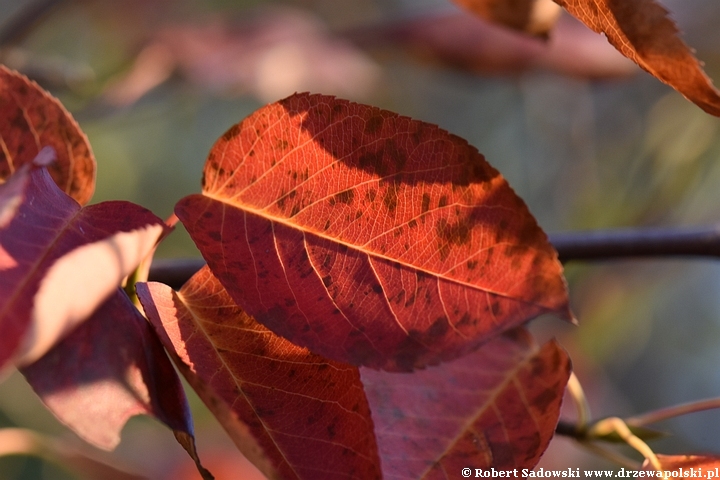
(495, 408)
(342, 198)
(109, 369)
(46, 227)
(642, 31)
(292, 413)
(31, 119)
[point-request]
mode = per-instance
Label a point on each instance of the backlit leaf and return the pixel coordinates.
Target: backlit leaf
(642, 31)
(107, 370)
(292, 413)
(497, 407)
(59, 262)
(369, 237)
(532, 16)
(31, 119)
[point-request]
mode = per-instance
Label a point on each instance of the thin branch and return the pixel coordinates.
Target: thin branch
(671, 412)
(637, 242)
(175, 271)
(571, 246)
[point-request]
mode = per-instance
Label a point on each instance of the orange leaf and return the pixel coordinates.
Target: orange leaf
(642, 31)
(497, 407)
(294, 414)
(686, 465)
(536, 17)
(369, 237)
(31, 119)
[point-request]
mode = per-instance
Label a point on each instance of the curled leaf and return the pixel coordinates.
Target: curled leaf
(369, 237)
(294, 414)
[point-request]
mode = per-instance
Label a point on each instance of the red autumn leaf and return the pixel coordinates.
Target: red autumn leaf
(107, 370)
(31, 119)
(369, 237)
(642, 31)
(292, 413)
(536, 17)
(497, 407)
(688, 463)
(59, 262)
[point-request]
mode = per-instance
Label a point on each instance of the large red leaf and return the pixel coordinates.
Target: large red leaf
(31, 119)
(369, 237)
(107, 370)
(642, 31)
(294, 414)
(58, 261)
(497, 407)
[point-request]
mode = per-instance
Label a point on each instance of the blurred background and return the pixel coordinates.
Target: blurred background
(584, 137)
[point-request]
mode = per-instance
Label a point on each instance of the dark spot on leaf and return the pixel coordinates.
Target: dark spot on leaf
(425, 202)
(373, 124)
(466, 319)
(443, 201)
(233, 132)
(327, 280)
(412, 223)
(327, 225)
(390, 198)
(331, 431)
(471, 264)
(377, 288)
(370, 195)
(214, 235)
(346, 196)
(295, 210)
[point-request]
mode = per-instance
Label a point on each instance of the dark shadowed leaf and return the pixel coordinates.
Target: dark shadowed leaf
(58, 261)
(31, 119)
(536, 17)
(369, 237)
(295, 415)
(107, 370)
(497, 407)
(642, 31)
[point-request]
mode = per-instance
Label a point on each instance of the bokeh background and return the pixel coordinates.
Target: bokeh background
(586, 138)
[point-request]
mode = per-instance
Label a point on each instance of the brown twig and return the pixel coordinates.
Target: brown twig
(571, 246)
